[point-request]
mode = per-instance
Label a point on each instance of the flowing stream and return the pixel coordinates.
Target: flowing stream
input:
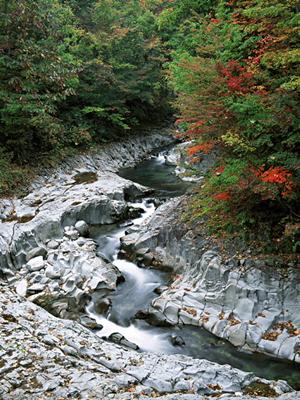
(137, 291)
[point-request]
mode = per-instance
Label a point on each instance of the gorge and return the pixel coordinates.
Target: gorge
(125, 281)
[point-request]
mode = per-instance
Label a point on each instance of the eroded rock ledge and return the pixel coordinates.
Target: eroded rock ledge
(254, 306)
(45, 357)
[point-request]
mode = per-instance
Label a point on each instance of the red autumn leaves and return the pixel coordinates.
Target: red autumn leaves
(278, 178)
(224, 196)
(237, 78)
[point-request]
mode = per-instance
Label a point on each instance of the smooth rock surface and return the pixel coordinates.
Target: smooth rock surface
(36, 264)
(82, 227)
(44, 357)
(57, 201)
(255, 307)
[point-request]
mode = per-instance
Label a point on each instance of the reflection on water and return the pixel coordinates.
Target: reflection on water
(137, 292)
(156, 174)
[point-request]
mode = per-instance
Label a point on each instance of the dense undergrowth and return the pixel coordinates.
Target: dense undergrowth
(78, 73)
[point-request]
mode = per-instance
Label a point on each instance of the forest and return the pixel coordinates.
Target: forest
(77, 73)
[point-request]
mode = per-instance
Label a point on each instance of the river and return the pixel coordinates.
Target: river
(138, 290)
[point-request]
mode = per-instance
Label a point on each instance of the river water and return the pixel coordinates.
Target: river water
(137, 291)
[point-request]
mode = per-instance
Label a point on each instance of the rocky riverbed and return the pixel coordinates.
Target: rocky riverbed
(253, 305)
(45, 357)
(48, 262)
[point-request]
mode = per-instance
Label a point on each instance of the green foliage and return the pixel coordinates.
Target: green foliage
(238, 88)
(121, 82)
(75, 72)
(37, 73)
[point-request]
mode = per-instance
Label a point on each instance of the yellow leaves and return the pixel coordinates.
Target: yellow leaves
(120, 32)
(233, 139)
(204, 319)
(152, 43)
(221, 315)
(233, 321)
(279, 328)
(292, 84)
(281, 58)
(215, 387)
(289, 326)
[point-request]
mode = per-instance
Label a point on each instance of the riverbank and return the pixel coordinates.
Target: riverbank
(16, 180)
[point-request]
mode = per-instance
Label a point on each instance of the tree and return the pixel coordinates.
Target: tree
(121, 82)
(238, 89)
(37, 73)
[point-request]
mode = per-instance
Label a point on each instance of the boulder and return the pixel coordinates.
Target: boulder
(177, 340)
(53, 244)
(89, 322)
(82, 227)
(36, 252)
(21, 288)
(53, 272)
(36, 264)
(120, 339)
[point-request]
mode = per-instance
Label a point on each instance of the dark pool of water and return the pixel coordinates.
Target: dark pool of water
(137, 292)
(154, 173)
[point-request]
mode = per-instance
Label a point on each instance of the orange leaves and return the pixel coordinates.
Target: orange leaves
(196, 128)
(198, 124)
(213, 21)
(276, 175)
(224, 196)
(268, 184)
(231, 3)
(201, 148)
